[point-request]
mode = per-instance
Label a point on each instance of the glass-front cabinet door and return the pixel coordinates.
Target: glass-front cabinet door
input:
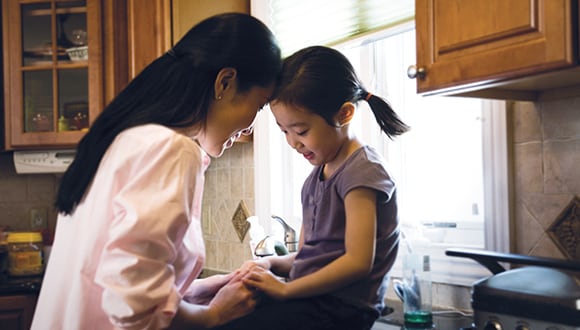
(53, 80)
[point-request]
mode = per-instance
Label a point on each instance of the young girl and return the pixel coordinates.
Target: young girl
(128, 243)
(350, 235)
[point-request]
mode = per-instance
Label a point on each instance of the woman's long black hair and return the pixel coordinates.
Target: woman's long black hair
(320, 79)
(175, 90)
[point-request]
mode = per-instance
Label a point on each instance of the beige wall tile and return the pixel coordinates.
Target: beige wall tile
(527, 122)
(527, 230)
(545, 247)
(562, 166)
(21, 192)
(560, 119)
(546, 171)
(544, 208)
(528, 167)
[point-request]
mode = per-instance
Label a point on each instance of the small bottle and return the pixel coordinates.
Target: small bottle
(62, 124)
(25, 254)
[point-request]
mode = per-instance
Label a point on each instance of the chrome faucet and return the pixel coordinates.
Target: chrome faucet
(290, 239)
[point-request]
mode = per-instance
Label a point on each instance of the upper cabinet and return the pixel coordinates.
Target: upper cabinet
(517, 49)
(64, 60)
(53, 72)
(156, 25)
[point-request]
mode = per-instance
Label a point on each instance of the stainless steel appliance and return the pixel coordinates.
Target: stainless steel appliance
(537, 296)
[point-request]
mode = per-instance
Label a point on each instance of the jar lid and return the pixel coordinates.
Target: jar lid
(23, 237)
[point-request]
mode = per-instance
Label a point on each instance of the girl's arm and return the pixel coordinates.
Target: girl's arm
(355, 263)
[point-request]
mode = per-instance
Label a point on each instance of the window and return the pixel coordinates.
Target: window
(328, 21)
(450, 168)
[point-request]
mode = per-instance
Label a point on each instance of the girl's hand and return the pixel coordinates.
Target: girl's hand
(266, 282)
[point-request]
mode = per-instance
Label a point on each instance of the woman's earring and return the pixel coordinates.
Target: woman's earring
(219, 97)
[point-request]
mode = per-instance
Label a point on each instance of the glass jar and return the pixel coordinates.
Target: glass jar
(25, 251)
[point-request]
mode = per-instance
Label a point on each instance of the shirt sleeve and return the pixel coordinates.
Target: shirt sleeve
(151, 216)
(367, 172)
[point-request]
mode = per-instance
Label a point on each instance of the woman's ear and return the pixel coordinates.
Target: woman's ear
(345, 114)
(224, 80)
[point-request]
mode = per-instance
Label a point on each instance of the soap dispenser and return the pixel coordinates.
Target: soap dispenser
(257, 233)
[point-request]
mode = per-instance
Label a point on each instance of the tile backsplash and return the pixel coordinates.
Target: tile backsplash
(19, 193)
(229, 180)
(545, 155)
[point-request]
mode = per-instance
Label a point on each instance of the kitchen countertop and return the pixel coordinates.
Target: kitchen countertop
(442, 319)
(19, 285)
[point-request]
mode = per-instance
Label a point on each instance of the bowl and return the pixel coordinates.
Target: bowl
(78, 53)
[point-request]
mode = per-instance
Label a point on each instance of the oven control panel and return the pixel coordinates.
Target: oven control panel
(493, 321)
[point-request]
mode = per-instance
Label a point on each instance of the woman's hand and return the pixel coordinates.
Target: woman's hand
(202, 291)
(266, 282)
(249, 265)
(232, 301)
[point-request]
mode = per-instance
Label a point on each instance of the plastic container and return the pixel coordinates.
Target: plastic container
(417, 290)
(25, 254)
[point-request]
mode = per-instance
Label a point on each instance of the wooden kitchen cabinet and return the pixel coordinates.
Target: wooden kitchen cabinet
(16, 311)
(44, 90)
(517, 49)
(53, 71)
(156, 25)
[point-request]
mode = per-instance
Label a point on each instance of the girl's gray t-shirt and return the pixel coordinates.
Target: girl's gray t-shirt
(324, 220)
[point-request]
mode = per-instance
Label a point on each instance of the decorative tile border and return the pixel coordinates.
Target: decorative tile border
(565, 230)
(241, 225)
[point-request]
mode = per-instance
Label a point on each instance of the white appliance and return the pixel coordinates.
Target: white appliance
(45, 161)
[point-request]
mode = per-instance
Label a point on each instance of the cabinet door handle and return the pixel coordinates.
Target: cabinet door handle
(414, 72)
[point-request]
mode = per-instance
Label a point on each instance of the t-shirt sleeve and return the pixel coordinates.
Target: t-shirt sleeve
(367, 173)
(151, 216)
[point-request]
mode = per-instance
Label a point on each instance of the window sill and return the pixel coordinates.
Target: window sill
(446, 269)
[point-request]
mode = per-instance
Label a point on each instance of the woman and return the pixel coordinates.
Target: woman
(128, 242)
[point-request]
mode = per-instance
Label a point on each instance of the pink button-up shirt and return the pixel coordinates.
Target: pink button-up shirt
(129, 252)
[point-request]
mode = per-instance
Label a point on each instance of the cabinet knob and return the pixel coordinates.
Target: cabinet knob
(414, 72)
(522, 327)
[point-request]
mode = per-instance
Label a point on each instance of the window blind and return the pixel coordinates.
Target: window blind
(301, 23)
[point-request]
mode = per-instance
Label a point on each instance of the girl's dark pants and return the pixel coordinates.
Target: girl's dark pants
(318, 313)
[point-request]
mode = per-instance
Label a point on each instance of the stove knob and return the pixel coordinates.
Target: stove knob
(522, 327)
(492, 325)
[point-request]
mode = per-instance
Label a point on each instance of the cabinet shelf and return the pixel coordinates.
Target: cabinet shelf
(62, 64)
(58, 11)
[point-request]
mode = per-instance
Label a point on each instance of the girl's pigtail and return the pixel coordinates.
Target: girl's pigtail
(386, 117)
